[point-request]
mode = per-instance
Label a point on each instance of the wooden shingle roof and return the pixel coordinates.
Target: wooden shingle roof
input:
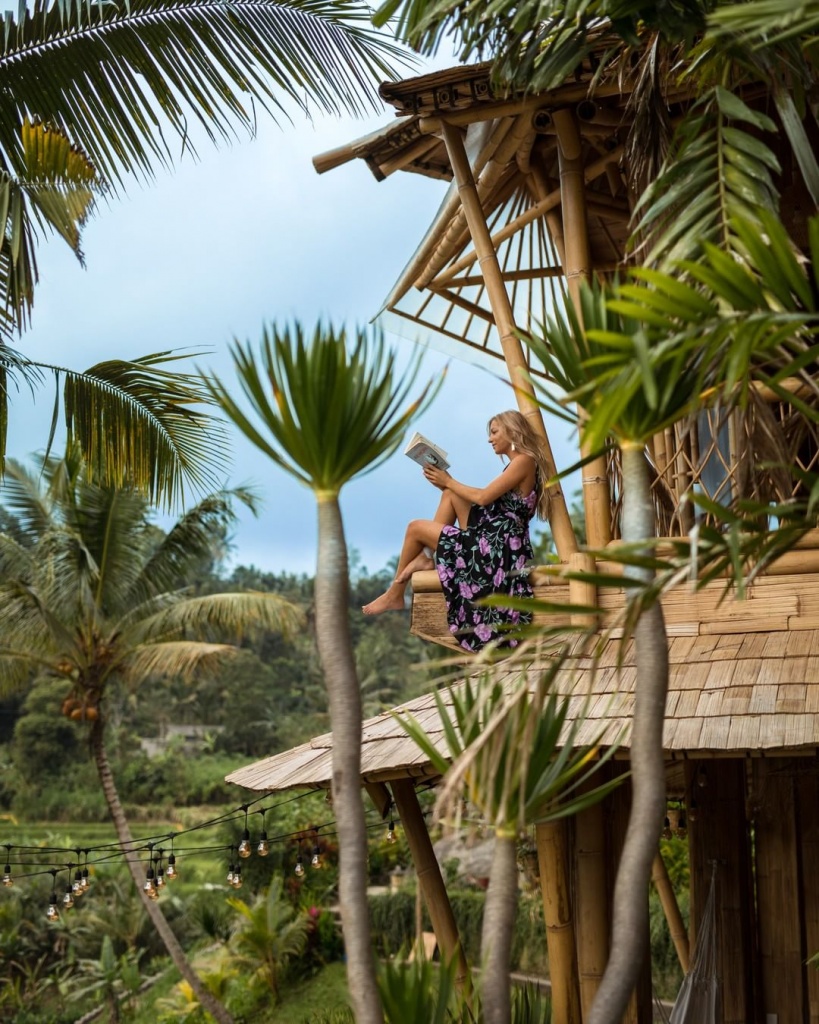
(744, 679)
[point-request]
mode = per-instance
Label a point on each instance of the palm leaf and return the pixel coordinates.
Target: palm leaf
(321, 412)
(110, 75)
(180, 659)
(138, 423)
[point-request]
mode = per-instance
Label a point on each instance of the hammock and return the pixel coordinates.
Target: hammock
(697, 999)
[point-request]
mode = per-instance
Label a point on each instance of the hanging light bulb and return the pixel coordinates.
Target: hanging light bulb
(682, 828)
(237, 877)
(68, 897)
(160, 877)
(391, 836)
(8, 881)
(53, 912)
(702, 777)
(77, 887)
(230, 875)
(263, 849)
(316, 858)
(149, 886)
(172, 873)
(693, 810)
(666, 832)
(245, 849)
(86, 884)
(299, 868)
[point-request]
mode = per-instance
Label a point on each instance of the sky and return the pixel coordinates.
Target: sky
(251, 234)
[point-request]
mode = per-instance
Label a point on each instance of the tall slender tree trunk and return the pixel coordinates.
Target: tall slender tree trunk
(175, 951)
(498, 931)
(336, 654)
(629, 933)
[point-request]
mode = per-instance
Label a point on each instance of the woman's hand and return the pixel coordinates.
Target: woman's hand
(437, 477)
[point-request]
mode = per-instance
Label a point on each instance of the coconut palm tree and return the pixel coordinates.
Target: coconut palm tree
(326, 414)
(513, 756)
(90, 594)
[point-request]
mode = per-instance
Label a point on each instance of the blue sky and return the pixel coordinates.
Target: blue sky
(251, 234)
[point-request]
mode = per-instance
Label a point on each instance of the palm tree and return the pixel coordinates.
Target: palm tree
(88, 594)
(513, 757)
(326, 415)
(268, 935)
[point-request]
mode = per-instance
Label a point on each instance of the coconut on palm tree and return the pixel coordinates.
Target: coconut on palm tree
(326, 413)
(90, 593)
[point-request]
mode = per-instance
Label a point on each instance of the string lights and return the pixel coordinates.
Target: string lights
(32, 861)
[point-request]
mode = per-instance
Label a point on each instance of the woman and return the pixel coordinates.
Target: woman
(487, 552)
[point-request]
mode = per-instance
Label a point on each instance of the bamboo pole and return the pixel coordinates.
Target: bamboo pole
(561, 525)
(596, 496)
(552, 858)
(591, 901)
(430, 879)
(671, 909)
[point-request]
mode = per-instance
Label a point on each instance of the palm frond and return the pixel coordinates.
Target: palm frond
(717, 171)
(196, 535)
(234, 615)
(110, 75)
(137, 423)
(169, 659)
(27, 502)
(324, 414)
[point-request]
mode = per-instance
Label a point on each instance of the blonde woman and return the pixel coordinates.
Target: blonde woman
(480, 536)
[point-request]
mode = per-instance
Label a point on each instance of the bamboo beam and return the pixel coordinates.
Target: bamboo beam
(591, 904)
(671, 909)
(596, 495)
(430, 879)
(552, 859)
(559, 521)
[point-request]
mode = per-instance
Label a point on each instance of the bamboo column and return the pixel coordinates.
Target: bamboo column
(561, 525)
(552, 857)
(430, 880)
(807, 793)
(671, 909)
(578, 268)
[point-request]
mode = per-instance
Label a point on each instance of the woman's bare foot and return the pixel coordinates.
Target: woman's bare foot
(392, 600)
(418, 564)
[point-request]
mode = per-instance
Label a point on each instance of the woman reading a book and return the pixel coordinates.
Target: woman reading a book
(480, 536)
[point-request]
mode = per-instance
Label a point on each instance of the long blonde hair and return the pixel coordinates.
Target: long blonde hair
(522, 436)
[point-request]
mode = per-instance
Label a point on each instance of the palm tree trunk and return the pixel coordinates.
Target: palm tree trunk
(206, 998)
(336, 654)
(498, 931)
(629, 932)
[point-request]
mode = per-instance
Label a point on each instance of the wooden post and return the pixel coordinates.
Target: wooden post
(578, 268)
(807, 784)
(719, 832)
(561, 525)
(552, 859)
(777, 890)
(671, 909)
(430, 880)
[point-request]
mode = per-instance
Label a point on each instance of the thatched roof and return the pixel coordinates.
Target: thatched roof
(731, 692)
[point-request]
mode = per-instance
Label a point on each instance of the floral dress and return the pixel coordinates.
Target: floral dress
(489, 557)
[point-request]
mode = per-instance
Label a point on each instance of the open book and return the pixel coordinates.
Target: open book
(421, 450)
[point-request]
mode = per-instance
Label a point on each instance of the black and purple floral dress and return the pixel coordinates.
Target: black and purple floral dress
(491, 556)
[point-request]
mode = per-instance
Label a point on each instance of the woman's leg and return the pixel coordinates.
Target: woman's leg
(446, 516)
(420, 533)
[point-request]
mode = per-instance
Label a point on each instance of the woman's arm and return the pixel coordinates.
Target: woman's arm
(521, 467)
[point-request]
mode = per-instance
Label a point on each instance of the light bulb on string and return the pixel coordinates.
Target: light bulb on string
(263, 849)
(245, 849)
(299, 868)
(682, 828)
(315, 860)
(8, 881)
(666, 832)
(149, 885)
(693, 810)
(702, 777)
(76, 886)
(391, 837)
(172, 873)
(68, 897)
(53, 912)
(237, 877)
(86, 883)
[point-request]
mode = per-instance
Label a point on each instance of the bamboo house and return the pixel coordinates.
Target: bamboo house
(540, 199)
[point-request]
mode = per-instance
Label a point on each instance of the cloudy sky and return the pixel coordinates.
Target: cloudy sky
(251, 234)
